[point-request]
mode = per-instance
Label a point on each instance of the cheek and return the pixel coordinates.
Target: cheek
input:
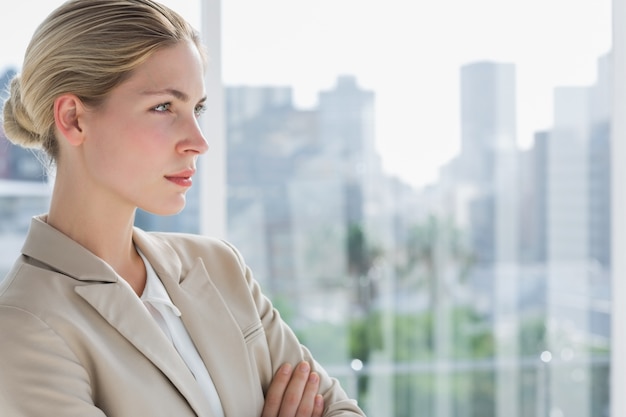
(121, 139)
(114, 151)
(149, 136)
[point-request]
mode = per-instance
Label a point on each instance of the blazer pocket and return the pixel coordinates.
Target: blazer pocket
(253, 332)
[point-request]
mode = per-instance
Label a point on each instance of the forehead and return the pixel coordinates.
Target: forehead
(177, 68)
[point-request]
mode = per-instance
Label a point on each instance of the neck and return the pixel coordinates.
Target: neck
(101, 226)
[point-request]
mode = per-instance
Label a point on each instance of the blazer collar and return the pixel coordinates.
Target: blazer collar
(51, 247)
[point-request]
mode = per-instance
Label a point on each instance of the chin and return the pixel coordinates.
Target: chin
(170, 208)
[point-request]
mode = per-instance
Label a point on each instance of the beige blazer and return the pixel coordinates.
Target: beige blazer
(75, 340)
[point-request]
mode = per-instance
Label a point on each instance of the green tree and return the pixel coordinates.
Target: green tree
(365, 332)
(433, 258)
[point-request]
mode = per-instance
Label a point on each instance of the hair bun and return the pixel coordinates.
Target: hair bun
(18, 126)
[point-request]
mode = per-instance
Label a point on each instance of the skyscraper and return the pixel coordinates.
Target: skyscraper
(488, 159)
(489, 165)
(488, 117)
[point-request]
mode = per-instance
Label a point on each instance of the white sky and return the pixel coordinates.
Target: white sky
(409, 52)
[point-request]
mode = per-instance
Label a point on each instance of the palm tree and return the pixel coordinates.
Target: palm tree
(365, 327)
(435, 257)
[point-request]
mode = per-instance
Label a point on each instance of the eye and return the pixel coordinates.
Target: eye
(160, 108)
(200, 108)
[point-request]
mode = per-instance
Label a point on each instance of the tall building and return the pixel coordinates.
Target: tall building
(280, 158)
(488, 117)
(567, 232)
(266, 136)
(299, 177)
(539, 223)
(600, 165)
(579, 239)
(487, 161)
(487, 169)
(599, 194)
(533, 231)
(346, 123)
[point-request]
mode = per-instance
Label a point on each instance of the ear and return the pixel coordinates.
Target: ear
(68, 112)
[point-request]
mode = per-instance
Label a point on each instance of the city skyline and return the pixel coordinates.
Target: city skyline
(411, 59)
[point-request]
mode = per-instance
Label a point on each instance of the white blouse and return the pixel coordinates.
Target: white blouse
(159, 304)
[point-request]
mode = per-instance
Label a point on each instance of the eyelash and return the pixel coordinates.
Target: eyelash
(160, 108)
(200, 108)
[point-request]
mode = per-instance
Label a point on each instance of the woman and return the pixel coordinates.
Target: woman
(98, 318)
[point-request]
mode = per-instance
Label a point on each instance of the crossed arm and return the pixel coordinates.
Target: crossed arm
(293, 393)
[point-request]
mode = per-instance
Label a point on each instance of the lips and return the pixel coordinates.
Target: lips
(182, 178)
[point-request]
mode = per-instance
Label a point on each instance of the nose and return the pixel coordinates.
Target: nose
(194, 140)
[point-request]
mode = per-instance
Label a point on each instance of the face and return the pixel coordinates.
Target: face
(142, 143)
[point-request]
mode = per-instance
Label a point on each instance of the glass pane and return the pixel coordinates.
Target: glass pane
(423, 190)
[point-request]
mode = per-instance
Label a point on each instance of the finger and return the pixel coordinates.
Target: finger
(276, 390)
(307, 403)
(318, 407)
(295, 389)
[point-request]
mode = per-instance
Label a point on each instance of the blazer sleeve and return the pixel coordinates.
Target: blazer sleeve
(284, 347)
(38, 371)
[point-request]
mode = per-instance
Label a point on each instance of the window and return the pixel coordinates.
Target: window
(427, 194)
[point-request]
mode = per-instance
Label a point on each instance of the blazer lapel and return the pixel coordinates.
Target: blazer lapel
(122, 309)
(219, 341)
(210, 324)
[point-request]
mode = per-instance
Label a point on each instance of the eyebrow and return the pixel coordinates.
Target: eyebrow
(172, 92)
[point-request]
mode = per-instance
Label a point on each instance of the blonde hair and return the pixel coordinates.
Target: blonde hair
(86, 48)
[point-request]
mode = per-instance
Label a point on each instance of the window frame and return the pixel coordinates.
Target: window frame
(212, 168)
(618, 191)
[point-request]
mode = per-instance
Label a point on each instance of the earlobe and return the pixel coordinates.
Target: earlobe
(68, 110)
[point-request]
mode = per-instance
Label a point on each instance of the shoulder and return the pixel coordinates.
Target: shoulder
(32, 286)
(193, 242)
(37, 305)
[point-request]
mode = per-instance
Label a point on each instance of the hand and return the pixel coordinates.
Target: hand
(293, 393)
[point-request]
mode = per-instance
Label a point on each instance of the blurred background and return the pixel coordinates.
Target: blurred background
(422, 188)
